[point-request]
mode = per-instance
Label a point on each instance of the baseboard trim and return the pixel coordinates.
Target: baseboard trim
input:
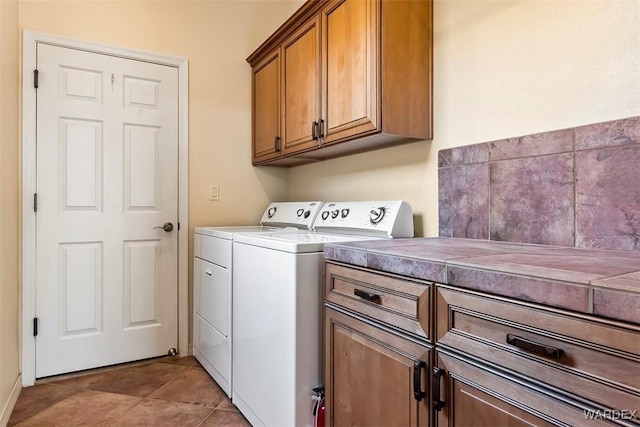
(11, 402)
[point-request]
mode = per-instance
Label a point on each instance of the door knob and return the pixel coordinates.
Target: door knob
(167, 226)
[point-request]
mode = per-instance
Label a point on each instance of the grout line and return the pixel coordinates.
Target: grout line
(206, 417)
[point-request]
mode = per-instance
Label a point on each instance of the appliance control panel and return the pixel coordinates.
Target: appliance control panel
(391, 218)
(291, 214)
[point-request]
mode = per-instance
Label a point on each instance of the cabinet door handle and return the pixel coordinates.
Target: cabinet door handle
(418, 394)
(435, 388)
(369, 296)
(277, 142)
(321, 126)
(207, 272)
(534, 347)
(314, 130)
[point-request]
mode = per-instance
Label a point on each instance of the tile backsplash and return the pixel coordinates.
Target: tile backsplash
(571, 187)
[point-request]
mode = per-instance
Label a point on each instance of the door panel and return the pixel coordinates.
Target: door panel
(301, 102)
(266, 114)
(370, 375)
(107, 150)
(140, 282)
(350, 74)
(140, 154)
(81, 287)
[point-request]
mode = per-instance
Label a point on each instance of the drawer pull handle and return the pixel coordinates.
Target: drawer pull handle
(534, 347)
(207, 272)
(418, 394)
(369, 296)
(435, 388)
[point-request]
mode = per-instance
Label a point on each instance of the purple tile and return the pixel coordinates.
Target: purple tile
(560, 141)
(552, 264)
(329, 252)
(608, 198)
(617, 305)
(617, 132)
(439, 251)
(556, 294)
(625, 282)
(416, 268)
(350, 256)
(444, 202)
(476, 153)
(444, 157)
(470, 201)
(532, 200)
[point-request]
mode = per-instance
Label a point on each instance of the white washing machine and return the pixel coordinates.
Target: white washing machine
(277, 307)
(213, 280)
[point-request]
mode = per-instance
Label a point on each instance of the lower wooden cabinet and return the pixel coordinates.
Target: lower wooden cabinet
(494, 361)
(474, 394)
(373, 376)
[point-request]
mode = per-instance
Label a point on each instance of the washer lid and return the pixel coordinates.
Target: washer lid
(301, 242)
(228, 232)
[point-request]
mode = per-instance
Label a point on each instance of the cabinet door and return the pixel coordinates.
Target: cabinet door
(266, 108)
(476, 395)
(301, 83)
(371, 375)
(350, 51)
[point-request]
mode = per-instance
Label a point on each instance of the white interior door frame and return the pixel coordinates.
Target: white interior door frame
(28, 306)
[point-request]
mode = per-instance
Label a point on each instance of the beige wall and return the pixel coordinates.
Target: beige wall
(502, 69)
(9, 222)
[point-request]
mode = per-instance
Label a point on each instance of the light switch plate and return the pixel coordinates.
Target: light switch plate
(214, 192)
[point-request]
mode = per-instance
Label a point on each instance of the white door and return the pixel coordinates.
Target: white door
(107, 174)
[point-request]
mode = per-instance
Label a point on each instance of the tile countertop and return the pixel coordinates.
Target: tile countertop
(603, 283)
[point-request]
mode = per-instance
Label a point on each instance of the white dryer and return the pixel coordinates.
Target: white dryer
(213, 281)
(277, 307)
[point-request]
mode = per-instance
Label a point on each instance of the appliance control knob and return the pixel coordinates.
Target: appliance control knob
(299, 212)
(271, 212)
(376, 215)
(306, 214)
(325, 215)
(345, 212)
(334, 214)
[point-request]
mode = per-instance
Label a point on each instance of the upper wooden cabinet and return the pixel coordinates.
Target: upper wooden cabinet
(354, 75)
(266, 108)
(300, 79)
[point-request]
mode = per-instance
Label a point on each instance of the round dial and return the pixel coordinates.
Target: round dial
(306, 214)
(271, 212)
(334, 214)
(376, 215)
(299, 212)
(325, 215)
(344, 213)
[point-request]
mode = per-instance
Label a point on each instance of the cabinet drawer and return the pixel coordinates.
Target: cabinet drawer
(473, 394)
(592, 358)
(400, 303)
(213, 249)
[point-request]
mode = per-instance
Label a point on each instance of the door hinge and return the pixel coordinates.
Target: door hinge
(35, 78)
(35, 326)
(35, 202)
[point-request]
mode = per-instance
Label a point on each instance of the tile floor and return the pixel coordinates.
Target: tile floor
(165, 391)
